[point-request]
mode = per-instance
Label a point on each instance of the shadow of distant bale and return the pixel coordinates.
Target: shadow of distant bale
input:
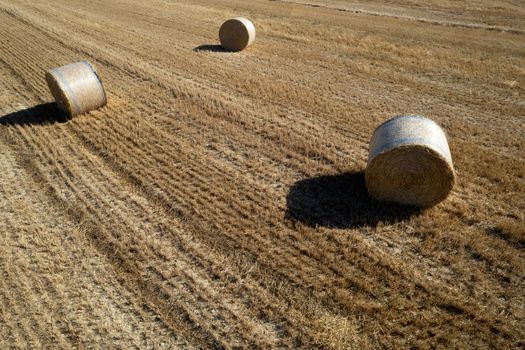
(46, 113)
(210, 48)
(340, 201)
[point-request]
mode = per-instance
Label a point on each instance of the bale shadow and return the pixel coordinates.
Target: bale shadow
(45, 113)
(341, 201)
(210, 48)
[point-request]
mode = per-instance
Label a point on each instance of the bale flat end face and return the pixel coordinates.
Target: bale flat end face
(237, 34)
(410, 175)
(409, 162)
(58, 94)
(76, 88)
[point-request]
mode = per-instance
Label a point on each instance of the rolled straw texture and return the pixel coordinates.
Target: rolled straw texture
(77, 88)
(237, 34)
(409, 162)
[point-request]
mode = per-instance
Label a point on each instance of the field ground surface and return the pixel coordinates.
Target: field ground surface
(218, 200)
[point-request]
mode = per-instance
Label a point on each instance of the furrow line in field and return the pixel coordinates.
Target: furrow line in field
(68, 248)
(45, 300)
(40, 89)
(10, 333)
(163, 39)
(222, 202)
(11, 310)
(111, 222)
(19, 238)
(207, 191)
(22, 64)
(152, 154)
(216, 268)
(60, 156)
(200, 87)
(24, 332)
(17, 82)
(409, 18)
(124, 264)
(299, 281)
(137, 218)
(352, 137)
(227, 228)
(28, 143)
(56, 296)
(220, 79)
(51, 302)
(17, 292)
(97, 167)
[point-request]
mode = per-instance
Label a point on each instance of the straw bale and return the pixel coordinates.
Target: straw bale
(237, 34)
(77, 88)
(409, 162)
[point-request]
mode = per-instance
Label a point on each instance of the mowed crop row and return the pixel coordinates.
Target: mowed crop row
(218, 200)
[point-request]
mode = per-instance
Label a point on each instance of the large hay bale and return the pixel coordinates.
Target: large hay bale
(237, 34)
(409, 162)
(77, 88)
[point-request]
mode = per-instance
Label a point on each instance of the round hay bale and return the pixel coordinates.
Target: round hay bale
(237, 34)
(77, 88)
(409, 162)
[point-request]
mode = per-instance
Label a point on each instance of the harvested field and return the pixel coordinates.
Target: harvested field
(218, 200)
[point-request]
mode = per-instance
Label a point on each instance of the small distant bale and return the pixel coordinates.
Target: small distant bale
(77, 88)
(409, 162)
(237, 34)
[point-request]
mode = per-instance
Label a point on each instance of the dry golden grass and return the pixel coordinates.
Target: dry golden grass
(218, 200)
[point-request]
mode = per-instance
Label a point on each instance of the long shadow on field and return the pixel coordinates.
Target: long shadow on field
(340, 201)
(46, 113)
(210, 48)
